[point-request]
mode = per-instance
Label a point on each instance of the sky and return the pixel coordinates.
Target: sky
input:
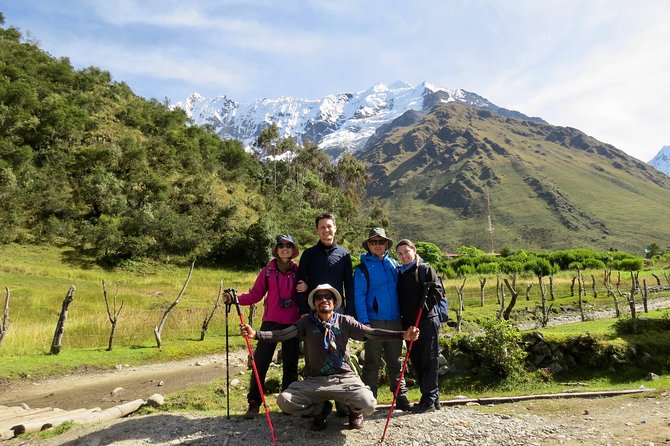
(602, 67)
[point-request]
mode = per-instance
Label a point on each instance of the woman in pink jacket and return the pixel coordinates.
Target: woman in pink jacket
(277, 281)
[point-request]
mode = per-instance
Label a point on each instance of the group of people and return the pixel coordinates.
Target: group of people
(324, 302)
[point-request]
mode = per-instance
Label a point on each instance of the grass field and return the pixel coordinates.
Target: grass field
(38, 278)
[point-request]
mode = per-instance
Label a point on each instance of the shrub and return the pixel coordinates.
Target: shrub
(500, 350)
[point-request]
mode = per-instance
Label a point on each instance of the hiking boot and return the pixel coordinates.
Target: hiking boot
(356, 420)
(402, 403)
(252, 411)
(423, 408)
(319, 421)
(437, 404)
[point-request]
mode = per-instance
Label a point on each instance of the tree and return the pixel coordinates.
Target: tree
(429, 252)
(351, 177)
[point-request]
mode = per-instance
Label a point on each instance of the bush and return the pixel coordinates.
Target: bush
(500, 350)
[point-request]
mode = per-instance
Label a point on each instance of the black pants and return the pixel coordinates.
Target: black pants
(263, 357)
(424, 354)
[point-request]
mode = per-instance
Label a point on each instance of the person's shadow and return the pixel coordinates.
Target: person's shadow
(163, 429)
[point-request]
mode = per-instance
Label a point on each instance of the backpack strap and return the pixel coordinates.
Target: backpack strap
(364, 269)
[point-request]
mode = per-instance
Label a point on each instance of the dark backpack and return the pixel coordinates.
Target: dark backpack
(364, 269)
(436, 295)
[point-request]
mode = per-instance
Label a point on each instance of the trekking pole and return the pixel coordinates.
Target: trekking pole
(426, 287)
(233, 293)
(227, 366)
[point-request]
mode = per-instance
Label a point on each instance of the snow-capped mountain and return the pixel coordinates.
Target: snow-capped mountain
(337, 123)
(662, 160)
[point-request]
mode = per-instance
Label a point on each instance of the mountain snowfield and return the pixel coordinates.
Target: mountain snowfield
(342, 122)
(337, 123)
(662, 160)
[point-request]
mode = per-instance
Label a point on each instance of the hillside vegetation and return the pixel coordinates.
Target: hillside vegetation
(86, 163)
(441, 175)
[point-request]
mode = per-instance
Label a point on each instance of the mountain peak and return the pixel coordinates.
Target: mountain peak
(662, 160)
(337, 122)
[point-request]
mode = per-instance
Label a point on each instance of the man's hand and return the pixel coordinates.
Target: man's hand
(411, 334)
(301, 287)
(227, 298)
(247, 331)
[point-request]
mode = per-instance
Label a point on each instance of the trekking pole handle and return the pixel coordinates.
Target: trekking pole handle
(236, 302)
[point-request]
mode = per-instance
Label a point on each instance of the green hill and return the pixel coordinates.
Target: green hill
(550, 187)
(86, 163)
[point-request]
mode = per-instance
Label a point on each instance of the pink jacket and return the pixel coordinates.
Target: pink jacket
(280, 287)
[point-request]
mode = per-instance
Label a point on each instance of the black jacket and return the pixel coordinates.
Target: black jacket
(327, 264)
(410, 292)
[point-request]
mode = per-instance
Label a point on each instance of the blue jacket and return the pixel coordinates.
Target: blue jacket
(379, 300)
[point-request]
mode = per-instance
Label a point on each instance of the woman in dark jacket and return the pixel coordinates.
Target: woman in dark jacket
(424, 354)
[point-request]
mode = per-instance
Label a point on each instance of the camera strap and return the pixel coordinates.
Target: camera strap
(294, 270)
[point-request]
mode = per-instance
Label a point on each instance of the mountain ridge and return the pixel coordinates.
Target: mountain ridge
(548, 185)
(338, 123)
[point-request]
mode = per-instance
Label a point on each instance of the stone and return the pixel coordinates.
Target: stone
(652, 376)
(155, 400)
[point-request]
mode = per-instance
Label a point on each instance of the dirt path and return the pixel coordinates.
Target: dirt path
(124, 384)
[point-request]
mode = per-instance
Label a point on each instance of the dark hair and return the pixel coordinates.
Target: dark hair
(405, 242)
(324, 216)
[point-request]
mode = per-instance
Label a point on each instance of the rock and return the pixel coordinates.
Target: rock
(652, 376)
(556, 368)
(235, 382)
(201, 363)
(117, 390)
(586, 411)
(155, 400)
(160, 383)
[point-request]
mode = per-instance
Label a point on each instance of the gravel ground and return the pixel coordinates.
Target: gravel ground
(450, 426)
(621, 420)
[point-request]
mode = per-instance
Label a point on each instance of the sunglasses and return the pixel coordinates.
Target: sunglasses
(328, 296)
(376, 242)
(284, 245)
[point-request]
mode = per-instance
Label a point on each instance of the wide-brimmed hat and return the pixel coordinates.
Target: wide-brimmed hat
(324, 286)
(285, 238)
(377, 232)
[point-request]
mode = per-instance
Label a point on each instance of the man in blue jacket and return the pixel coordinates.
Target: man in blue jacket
(377, 306)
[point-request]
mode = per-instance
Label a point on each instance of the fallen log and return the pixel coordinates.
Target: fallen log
(46, 422)
(112, 413)
(11, 419)
(514, 399)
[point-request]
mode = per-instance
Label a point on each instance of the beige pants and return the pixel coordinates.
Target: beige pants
(307, 397)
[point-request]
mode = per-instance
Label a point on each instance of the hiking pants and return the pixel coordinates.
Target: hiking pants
(424, 355)
(263, 357)
(306, 397)
(389, 350)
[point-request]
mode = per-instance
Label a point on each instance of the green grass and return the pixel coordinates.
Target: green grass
(38, 278)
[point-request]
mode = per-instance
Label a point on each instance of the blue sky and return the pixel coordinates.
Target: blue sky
(599, 66)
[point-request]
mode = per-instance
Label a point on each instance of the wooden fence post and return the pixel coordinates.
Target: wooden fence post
(60, 326)
(5, 318)
(159, 328)
(113, 316)
(208, 318)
